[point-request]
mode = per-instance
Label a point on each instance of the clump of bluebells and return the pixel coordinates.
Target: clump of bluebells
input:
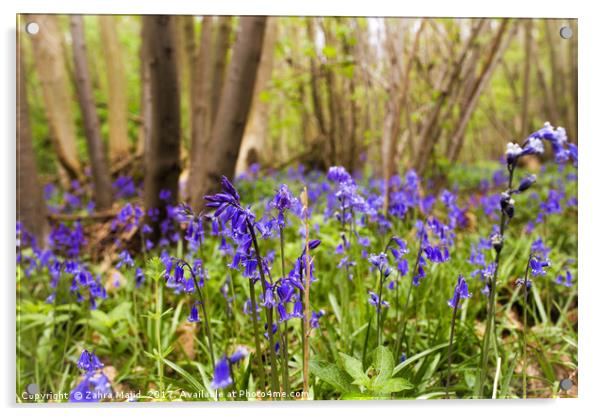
(247, 238)
(239, 225)
(94, 385)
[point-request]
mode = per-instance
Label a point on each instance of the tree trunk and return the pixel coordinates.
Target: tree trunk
(100, 172)
(184, 35)
(31, 209)
(144, 132)
(525, 126)
(256, 131)
(222, 150)
(162, 156)
(201, 110)
(220, 54)
(117, 87)
(392, 120)
(52, 72)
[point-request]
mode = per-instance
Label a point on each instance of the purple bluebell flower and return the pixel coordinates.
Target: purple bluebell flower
(573, 153)
(239, 354)
(124, 187)
(165, 195)
(380, 262)
(460, 292)
(221, 375)
(513, 152)
(89, 362)
(338, 174)
(93, 388)
(194, 313)
(283, 200)
(538, 266)
(374, 299)
(268, 298)
(139, 277)
(314, 321)
(539, 248)
(125, 259)
(533, 146)
(526, 183)
(565, 280)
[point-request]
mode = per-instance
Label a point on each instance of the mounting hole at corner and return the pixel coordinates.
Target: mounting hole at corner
(566, 32)
(566, 384)
(32, 28)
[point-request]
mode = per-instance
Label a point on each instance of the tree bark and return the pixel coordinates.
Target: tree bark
(256, 131)
(524, 124)
(220, 54)
(222, 150)
(162, 156)
(117, 88)
(201, 111)
(52, 72)
(146, 115)
(392, 122)
(100, 171)
(185, 48)
(31, 208)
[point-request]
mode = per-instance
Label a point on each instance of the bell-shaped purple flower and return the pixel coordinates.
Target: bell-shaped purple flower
(194, 313)
(460, 292)
(221, 376)
(89, 362)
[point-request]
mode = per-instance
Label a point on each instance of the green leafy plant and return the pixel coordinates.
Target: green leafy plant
(353, 381)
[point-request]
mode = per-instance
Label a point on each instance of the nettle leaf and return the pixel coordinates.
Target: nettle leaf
(383, 363)
(332, 375)
(100, 319)
(392, 385)
(120, 312)
(355, 369)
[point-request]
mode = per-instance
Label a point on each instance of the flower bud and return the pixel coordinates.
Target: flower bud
(507, 204)
(513, 151)
(497, 241)
(526, 183)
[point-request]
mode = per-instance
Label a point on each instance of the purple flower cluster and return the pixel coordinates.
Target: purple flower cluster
(95, 385)
(460, 292)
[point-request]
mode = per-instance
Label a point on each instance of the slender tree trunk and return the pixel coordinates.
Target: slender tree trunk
(162, 156)
(184, 35)
(144, 132)
(100, 171)
(226, 135)
(117, 87)
(31, 208)
(201, 111)
(222, 45)
(316, 99)
(351, 51)
(525, 125)
(256, 131)
(574, 82)
(392, 122)
(52, 72)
